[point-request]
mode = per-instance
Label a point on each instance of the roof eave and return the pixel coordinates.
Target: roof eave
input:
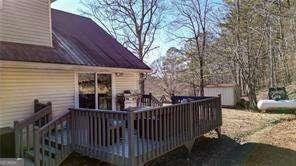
(57, 66)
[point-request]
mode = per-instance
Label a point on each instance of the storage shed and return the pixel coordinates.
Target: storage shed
(228, 93)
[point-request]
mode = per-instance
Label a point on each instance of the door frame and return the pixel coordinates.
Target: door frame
(76, 88)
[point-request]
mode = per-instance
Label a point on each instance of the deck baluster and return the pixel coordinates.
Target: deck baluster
(131, 146)
(36, 146)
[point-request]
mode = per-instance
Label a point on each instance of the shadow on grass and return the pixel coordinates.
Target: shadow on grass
(282, 111)
(76, 159)
(211, 151)
(270, 155)
(226, 151)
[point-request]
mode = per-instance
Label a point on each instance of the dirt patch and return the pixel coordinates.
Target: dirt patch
(281, 135)
(240, 124)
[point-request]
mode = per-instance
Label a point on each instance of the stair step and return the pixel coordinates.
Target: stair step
(57, 137)
(47, 150)
(29, 162)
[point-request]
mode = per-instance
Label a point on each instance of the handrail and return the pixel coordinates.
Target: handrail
(148, 100)
(97, 110)
(178, 99)
(54, 120)
(178, 104)
(53, 141)
(25, 130)
(155, 101)
(47, 110)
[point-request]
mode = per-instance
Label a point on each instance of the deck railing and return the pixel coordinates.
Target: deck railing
(54, 140)
(102, 134)
(160, 130)
(127, 137)
(148, 100)
(180, 99)
(25, 130)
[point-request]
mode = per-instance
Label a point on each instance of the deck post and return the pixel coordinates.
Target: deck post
(131, 143)
(50, 115)
(72, 129)
(36, 146)
(17, 137)
(191, 124)
(190, 142)
(150, 99)
(218, 129)
(220, 110)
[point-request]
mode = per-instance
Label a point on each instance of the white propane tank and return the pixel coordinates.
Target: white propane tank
(272, 104)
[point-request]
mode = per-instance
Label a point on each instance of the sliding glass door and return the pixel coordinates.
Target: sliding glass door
(95, 91)
(104, 91)
(86, 83)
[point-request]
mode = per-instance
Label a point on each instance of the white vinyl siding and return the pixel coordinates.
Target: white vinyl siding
(19, 87)
(128, 81)
(26, 21)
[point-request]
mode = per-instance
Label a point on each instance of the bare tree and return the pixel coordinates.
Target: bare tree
(132, 22)
(168, 70)
(194, 18)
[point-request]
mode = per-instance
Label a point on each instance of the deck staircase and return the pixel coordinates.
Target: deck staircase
(26, 134)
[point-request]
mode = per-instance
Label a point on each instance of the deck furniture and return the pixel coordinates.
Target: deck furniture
(130, 137)
(145, 100)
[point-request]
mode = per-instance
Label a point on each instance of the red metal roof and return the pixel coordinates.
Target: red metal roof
(77, 40)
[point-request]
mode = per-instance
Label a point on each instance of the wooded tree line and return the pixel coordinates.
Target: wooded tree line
(253, 46)
(250, 43)
(258, 39)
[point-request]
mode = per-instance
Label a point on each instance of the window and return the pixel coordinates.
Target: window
(86, 84)
(104, 90)
(95, 91)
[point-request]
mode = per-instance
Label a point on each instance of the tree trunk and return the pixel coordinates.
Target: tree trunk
(252, 98)
(194, 90)
(142, 83)
(201, 84)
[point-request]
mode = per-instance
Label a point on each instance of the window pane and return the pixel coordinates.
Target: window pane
(104, 90)
(86, 83)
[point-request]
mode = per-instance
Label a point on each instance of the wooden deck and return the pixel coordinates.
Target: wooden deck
(125, 137)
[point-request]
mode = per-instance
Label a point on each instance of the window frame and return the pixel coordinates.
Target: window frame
(113, 90)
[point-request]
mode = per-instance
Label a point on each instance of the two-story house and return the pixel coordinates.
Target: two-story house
(59, 57)
(70, 61)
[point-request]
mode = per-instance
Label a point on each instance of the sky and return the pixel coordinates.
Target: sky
(163, 40)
